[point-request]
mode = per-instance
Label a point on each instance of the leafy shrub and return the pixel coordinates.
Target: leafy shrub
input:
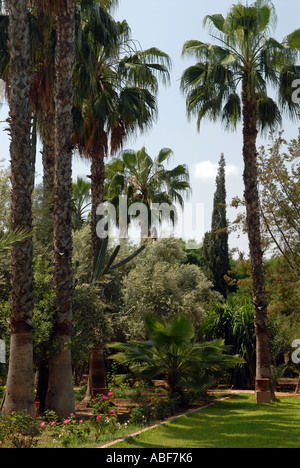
(19, 429)
(142, 415)
(155, 410)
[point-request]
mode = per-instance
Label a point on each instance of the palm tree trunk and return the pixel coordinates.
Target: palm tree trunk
(97, 382)
(97, 375)
(253, 228)
(20, 380)
(48, 139)
(97, 195)
(60, 395)
(48, 160)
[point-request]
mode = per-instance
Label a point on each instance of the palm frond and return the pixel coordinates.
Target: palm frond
(11, 238)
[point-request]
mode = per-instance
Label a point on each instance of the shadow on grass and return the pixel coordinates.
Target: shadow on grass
(235, 423)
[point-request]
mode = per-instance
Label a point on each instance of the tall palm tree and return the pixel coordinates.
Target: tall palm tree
(118, 97)
(42, 91)
(60, 396)
(245, 55)
(109, 105)
(147, 181)
(20, 380)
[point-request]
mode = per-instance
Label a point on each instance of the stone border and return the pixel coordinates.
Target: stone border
(195, 410)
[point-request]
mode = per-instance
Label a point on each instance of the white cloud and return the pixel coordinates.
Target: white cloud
(208, 170)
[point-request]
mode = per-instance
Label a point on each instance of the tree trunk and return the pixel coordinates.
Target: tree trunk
(42, 385)
(297, 389)
(97, 374)
(48, 152)
(97, 195)
(60, 395)
(253, 228)
(48, 159)
(97, 382)
(20, 380)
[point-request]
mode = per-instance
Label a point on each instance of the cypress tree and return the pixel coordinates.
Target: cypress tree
(215, 249)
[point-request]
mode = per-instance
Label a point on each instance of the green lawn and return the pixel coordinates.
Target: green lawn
(233, 423)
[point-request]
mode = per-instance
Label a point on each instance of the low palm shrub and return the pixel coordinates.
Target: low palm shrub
(174, 350)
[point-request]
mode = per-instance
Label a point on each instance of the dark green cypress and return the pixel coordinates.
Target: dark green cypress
(215, 249)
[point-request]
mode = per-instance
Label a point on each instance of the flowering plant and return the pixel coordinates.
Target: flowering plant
(104, 416)
(67, 431)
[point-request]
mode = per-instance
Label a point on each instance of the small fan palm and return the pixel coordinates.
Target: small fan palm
(172, 350)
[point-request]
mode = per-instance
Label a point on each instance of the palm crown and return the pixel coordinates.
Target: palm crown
(146, 180)
(142, 178)
(244, 52)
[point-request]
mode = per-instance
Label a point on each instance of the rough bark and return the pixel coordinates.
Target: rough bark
(48, 152)
(253, 228)
(97, 195)
(19, 394)
(48, 160)
(60, 396)
(97, 374)
(97, 382)
(20, 381)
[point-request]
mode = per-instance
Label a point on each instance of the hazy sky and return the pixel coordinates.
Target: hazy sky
(168, 24)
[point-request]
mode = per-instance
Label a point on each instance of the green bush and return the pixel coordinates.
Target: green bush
(19, 429)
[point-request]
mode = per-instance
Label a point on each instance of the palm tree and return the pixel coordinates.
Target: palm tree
(20, 380)
(114, 98)
(245, 55)
(42, 92)
(60, 396)
(109, 105)
(173, 350)
(146, 180)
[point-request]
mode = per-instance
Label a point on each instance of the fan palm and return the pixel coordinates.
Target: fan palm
(115, 97)
(146, 180)
(172, 350)
(230, 82)
(109, 105)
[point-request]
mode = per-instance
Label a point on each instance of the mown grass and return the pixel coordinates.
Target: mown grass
(237, 422)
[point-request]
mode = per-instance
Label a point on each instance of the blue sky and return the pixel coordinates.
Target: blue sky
(168, 24)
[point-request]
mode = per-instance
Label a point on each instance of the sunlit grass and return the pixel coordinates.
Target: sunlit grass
(234, 423)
